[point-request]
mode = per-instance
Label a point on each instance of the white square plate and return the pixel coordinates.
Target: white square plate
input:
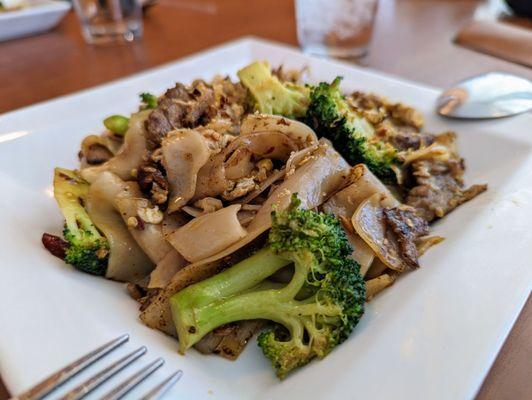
(433, 335)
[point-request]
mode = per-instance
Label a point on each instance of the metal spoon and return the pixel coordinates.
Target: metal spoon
(487, 96)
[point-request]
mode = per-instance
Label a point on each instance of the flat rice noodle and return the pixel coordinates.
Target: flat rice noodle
(236, 160)
(344, 203)
(314, 181)
(165, 269)
(130, 155)
(208, 234)
(368, 221)
(299, 132)
(185, 152)
(127, 261)
(171, 222)
(238, 155)
(150, 238)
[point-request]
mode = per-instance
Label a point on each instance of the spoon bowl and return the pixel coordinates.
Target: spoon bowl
(487, 96)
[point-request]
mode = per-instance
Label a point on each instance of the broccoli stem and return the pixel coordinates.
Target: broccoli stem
(244, 275)
(219, 300)
(271, 304)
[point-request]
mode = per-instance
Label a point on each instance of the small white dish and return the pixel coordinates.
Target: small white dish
(37, 17)
(433, 335)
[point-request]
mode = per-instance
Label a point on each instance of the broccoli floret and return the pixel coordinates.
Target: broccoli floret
(270, 95)
(352, 135)
(87, 249)
(148, 100)
(308, 323)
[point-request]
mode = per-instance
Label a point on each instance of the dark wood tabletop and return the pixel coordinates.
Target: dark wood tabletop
(413, 40)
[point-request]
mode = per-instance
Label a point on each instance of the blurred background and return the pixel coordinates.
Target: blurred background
(414, 39)
(50, 48)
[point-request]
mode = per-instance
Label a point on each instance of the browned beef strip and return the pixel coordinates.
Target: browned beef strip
(407, 228)
(152, 182)
(229, 340)
(439, 188)
(202, 98)
(407, 138)
(179, 107)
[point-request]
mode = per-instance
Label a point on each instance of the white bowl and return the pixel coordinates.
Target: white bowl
(35, 18)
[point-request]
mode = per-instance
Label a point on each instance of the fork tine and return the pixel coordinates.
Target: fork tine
(93, 382)
(158, 391)
(122, 389)
(58, 378)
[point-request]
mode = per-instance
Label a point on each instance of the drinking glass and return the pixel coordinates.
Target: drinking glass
(104, 21)
(335, 28)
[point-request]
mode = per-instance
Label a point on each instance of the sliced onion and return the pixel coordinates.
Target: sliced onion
(363, 184)
(344, 203)
(368, 221)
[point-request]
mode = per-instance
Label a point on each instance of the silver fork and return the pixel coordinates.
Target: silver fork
(55, 380)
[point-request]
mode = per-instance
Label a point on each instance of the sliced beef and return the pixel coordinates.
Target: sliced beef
(218, 107)
(378, 109)
(229, 340)
(407, 227)
(179, 107)
(439, 188)
(152, 181)
(407, 138)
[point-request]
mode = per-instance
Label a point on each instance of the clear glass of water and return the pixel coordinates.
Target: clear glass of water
(335, 28)
(104, 21)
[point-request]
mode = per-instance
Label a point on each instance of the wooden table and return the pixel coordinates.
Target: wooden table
(412, 40)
